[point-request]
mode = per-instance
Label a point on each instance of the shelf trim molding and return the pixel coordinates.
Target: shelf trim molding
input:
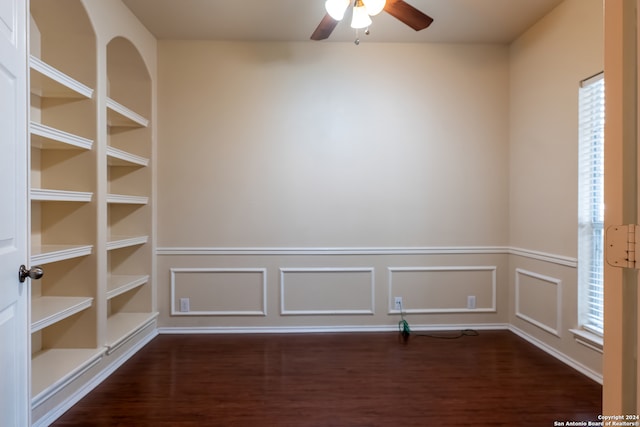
(67, 306)
(133, 332)
(61, 136)
(129, 158)
(128, 283)
(127, 113)
(46, 254)
(127, 200)
(47, 195)
(119, 242)
(59, 77)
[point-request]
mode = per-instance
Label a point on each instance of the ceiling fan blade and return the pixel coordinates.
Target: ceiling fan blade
(408, 14)
(325, 28)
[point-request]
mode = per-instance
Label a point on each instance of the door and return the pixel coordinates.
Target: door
(14, 296)
(620, 365)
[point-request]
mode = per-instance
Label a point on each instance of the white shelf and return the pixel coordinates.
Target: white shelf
(46, 81)
(120, 116)
(46, 195)
(118, 242)
(45, 311)
(118, 285)
(121, 326)
(49, 138)
(126, 199)
(52, 369)
(46, 254)
(116, 157)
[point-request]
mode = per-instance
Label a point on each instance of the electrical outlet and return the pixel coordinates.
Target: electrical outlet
(398, 303)
(471, 302)
(184, 305)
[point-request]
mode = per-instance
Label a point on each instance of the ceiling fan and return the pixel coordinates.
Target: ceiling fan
(363, 9)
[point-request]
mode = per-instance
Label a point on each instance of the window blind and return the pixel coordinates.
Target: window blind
(591, 202)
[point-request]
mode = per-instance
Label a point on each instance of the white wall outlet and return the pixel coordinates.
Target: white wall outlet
(398, 303)
(184, 305)
(471, 302)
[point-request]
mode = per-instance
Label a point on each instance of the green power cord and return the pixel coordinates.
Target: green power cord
(403, 327)
(405, 331)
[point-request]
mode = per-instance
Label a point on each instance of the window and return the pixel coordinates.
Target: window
(591, 203)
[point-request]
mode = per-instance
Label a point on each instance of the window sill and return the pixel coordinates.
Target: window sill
(588, 339)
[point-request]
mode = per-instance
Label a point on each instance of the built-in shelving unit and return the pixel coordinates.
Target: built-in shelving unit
(63, 194)
(91, 196)
(129, 254)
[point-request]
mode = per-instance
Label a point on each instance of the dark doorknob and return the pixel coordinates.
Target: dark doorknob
(33, 273)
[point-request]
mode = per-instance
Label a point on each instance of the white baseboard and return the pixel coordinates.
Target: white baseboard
(326, 329)
(558, 355)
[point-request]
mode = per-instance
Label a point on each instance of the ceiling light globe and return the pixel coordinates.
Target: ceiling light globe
(374, 7)
(360, 17)
(336, 8)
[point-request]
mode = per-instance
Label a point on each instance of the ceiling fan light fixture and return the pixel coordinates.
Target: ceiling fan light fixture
(336, 8)
(360, 18)
(374, 7)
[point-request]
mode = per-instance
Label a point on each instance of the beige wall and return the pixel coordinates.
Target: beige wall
(547, 64)
(332, 145)
(323, 179)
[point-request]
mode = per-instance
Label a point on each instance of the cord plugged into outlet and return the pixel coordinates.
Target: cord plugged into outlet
(403, 325)
(405, 330)
(398, 303)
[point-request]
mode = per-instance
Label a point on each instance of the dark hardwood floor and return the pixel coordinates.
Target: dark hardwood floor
(372, 379)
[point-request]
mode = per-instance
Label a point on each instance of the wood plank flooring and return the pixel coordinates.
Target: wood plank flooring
(366, 379)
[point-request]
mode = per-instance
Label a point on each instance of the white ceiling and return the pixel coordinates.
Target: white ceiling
(455, 21)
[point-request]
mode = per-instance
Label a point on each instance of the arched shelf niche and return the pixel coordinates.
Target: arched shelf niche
(129, 199)
(63, 208)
